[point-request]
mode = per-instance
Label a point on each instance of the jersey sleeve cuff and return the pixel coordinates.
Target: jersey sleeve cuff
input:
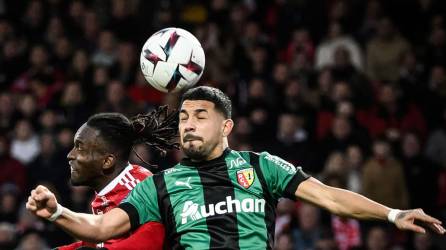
(298, 178)
(132, 213)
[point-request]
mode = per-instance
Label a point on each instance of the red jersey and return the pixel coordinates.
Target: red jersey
(347, 232)
(148, 236)
(112, 194)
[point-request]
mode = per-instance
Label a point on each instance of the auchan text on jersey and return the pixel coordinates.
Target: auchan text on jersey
(193, 211)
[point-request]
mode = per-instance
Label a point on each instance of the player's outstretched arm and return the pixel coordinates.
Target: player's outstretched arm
(87, 227)
(349, 204)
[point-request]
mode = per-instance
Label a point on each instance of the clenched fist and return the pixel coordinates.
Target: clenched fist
(42, 202)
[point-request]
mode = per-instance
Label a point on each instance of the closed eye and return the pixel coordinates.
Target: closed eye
(183, 116)
(77, 146)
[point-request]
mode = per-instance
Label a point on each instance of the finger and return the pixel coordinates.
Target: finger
(415, 228)
(426, 218)
(42, 196)
(31, 200)
(29, 207)
(420, 210)
(437, 228)
(41, 188)
(31, 204)
(33, 193)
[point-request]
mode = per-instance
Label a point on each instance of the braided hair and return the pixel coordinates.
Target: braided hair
(158, 129)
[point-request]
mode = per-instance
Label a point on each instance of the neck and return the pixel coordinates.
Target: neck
(216, 152)
(110, 176)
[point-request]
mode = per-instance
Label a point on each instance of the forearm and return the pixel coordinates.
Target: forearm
(340, 201)
(349, 204)
(86, 227)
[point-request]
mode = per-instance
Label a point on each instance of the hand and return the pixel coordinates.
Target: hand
(42, 202)
(416, 220)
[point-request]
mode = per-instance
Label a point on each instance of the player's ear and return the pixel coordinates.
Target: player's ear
(227, 127)
(109, 161)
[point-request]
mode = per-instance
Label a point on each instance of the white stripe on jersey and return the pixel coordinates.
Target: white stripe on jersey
(128, 181)
(115, 181)
(133, 181)
(125, 182)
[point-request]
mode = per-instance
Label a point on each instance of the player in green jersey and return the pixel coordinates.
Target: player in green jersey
(218, 198)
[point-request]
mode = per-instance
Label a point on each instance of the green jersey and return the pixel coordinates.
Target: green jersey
(225, 203)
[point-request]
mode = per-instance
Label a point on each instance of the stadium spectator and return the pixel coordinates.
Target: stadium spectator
(336, 39)
(383, 177)
(25, 143)
(416, 169)
(384, 52)
(309, 229)
(377, 239)
(7, 235)
(292, 139)
(354, 160)
(11, 170)
(48, 167)
(9, 202)
(390, 117)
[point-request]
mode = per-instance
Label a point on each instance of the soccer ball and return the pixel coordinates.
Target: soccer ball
(172, 59)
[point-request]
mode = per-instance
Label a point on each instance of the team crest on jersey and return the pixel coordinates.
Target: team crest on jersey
(245, 177)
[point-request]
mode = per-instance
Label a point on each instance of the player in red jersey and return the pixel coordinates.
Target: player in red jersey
(99, 160)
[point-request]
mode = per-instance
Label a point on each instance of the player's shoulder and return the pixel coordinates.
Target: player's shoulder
(242, 153)
(263, 156)
(140, 172)
(248, 153)
(238, 156)
(178, 168)
(268, 157)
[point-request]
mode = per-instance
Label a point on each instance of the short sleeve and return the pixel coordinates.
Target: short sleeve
(282, 177)
(141, 204)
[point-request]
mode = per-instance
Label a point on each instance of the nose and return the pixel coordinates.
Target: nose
(70, 155)
(189, 129)
(189, 126)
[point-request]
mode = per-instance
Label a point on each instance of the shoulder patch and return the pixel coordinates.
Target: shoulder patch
(290, 168)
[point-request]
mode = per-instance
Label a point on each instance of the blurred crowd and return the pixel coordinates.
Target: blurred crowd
(352, 91)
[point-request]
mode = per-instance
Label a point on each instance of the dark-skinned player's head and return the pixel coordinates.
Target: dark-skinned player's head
(205, 122)
(105, 142)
